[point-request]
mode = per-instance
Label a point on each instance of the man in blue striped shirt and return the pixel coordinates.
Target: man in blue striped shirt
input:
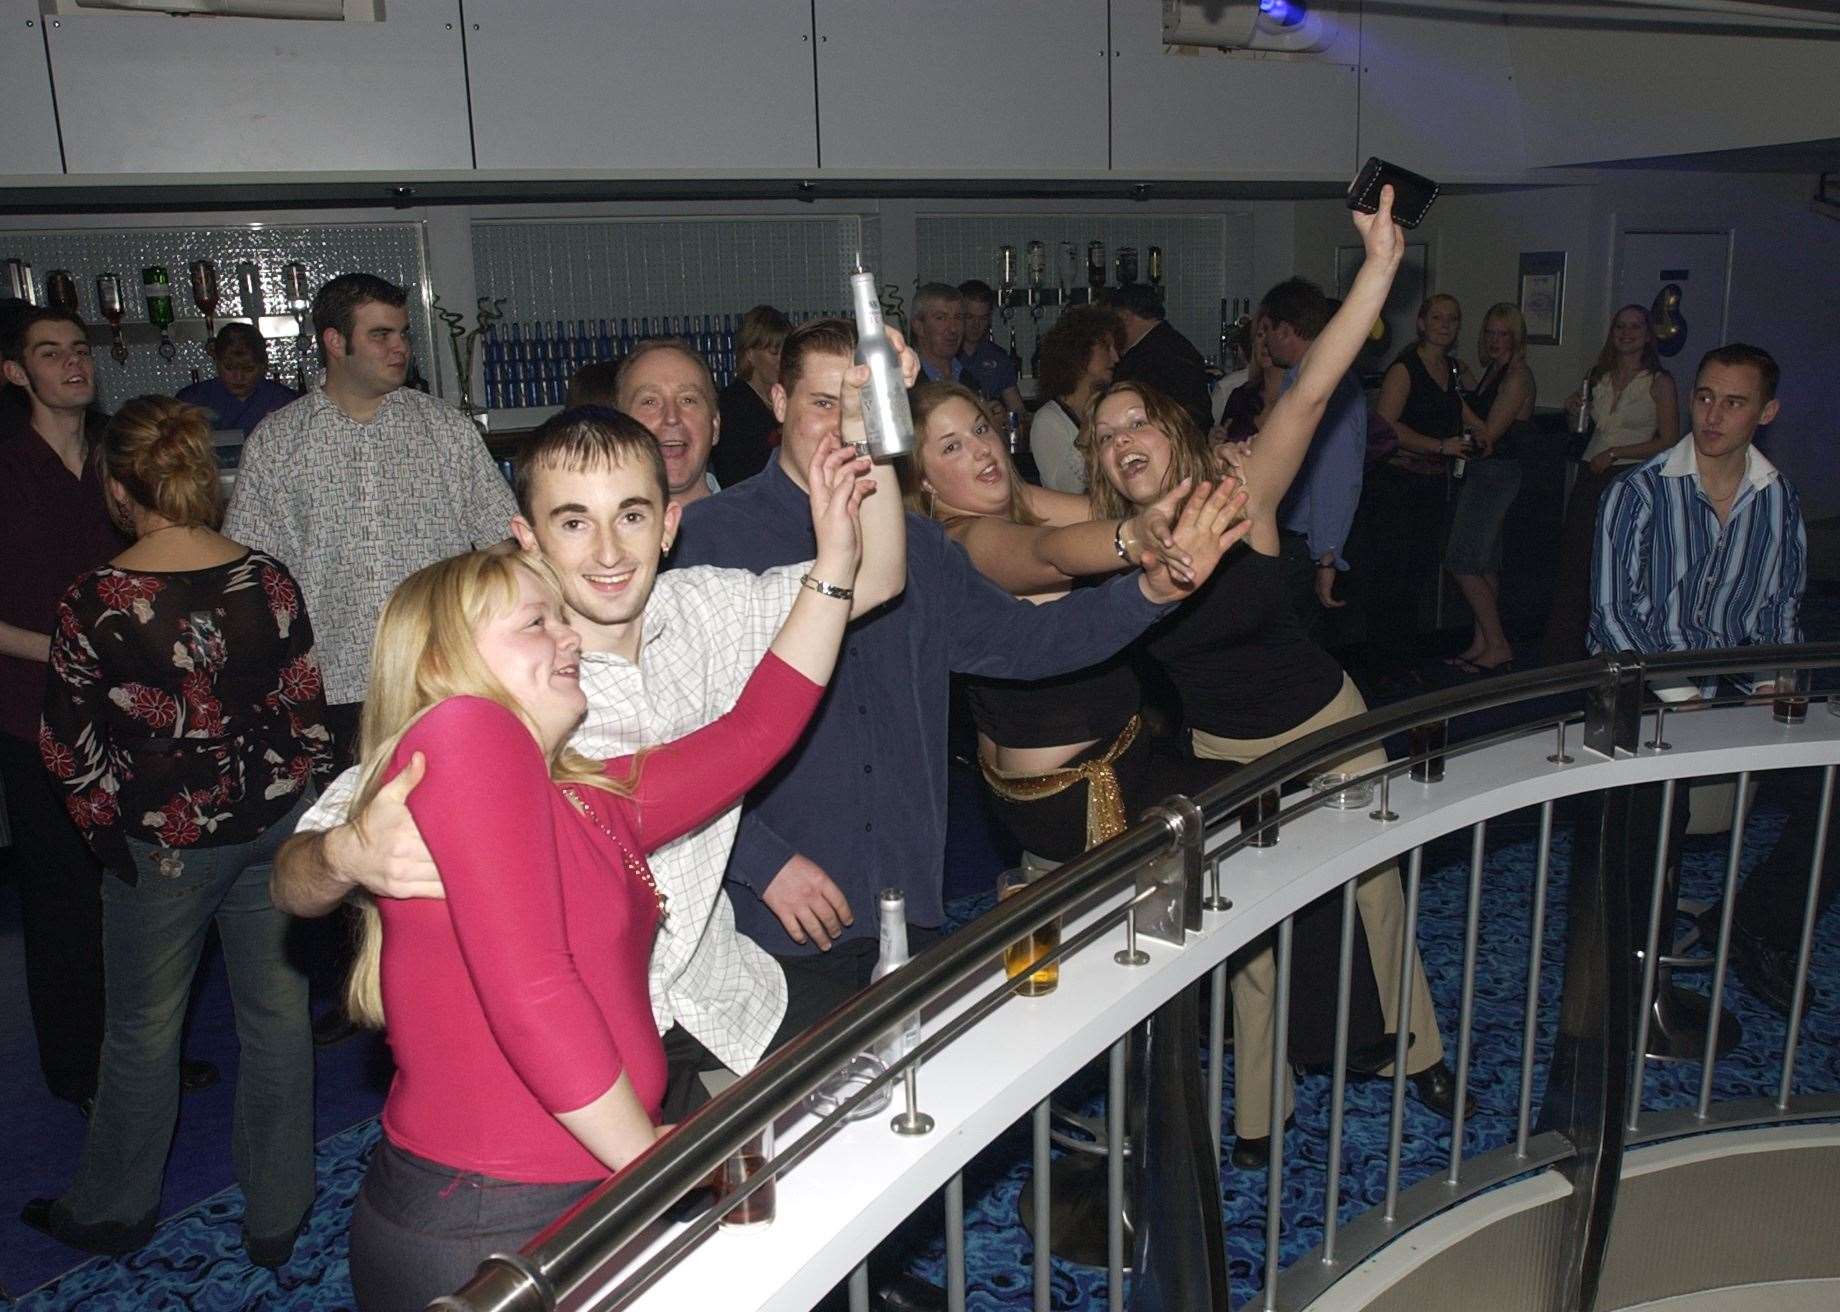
(1702, 547)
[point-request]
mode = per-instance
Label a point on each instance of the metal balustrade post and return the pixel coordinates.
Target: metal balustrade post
(1217, 1050)
(1466, 1008)
(1114, 1179)
(859, 1289)
(1338, 1079)
(1740, 813)
(1530, 1021)
(1274, 1130)
(1588, 1089)
(955, 1243)
(1044, 1205)
(1402, 1032)
(1800, 996)
(913, 1121)
(1650, 950)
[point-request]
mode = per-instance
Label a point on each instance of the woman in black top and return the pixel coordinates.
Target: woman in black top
(1066, 759)
(1407, 494)
(185, 721)
(745, 405)
(1497, 413)
(1248, 678)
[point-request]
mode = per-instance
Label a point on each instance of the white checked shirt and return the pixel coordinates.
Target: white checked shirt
(353, 509)
(705, 630)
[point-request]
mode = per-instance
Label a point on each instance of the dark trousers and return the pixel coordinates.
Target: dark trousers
(420, 1229)
(60, 895)
(324, 944)
(820, 982)
(1772, 898)
(1570, 618)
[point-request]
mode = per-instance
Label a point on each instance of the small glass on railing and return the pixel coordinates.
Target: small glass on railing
(1256, 812)
(1021, 955)
(1790, 705)
(746, 1162)
(1345, 791)
(1426, 742)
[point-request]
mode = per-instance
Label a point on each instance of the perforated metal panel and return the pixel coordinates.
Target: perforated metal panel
(1205, 257)
(394, 251)
(631, 268)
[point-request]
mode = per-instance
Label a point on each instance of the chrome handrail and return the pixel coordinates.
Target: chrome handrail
(572, 1251)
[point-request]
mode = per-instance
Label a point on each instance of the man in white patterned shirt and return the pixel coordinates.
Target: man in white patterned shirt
(361, 482)
(662, 655)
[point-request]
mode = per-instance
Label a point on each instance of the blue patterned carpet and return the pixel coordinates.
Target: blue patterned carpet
(196, 1262)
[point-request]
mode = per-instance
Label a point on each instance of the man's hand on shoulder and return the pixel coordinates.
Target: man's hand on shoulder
(808, 903)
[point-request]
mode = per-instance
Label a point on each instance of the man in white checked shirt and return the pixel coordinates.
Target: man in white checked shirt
(661, 656)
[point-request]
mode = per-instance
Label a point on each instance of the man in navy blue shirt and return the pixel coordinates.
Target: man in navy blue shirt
(1319, 509)
(242, 395)
(860, 804)
(988, 371)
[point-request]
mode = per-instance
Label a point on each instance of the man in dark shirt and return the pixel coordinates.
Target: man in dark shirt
(988, 370)
(53, 527)
(860, 805)
(1153, 352)
(242, 395)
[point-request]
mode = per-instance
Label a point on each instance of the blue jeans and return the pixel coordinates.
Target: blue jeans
(153, 934)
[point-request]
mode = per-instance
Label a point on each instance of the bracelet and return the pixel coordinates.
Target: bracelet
(824, 589)
(1118, 543)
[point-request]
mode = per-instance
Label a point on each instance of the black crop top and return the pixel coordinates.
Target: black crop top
(1238, 657)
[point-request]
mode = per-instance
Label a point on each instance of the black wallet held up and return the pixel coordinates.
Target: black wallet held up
(1412, 192)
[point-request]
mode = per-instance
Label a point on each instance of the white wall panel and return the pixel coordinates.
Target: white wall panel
(151, 93)
(1595, 96)
(969, 86)
(1439, 94)
(652, 84)
(28, 126)
(1233, 116)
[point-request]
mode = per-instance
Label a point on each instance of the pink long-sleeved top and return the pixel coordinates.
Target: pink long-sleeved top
(523, 994)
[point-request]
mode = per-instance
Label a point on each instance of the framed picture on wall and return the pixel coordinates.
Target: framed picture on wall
(1542, 291)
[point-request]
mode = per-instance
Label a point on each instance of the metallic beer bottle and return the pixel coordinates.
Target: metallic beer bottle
(904, 1038)
(887, 422)
(1582, 424)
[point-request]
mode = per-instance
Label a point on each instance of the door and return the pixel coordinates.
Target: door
(1684, 280)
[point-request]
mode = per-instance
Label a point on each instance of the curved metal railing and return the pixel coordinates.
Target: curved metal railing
(1152, 875)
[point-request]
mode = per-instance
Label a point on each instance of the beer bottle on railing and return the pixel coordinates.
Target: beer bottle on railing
(905, 1037)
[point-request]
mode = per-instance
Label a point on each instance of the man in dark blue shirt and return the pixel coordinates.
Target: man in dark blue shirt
(242, 395)
(860, 804)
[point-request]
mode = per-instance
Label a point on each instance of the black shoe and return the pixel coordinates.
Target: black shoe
(196, 1076)
(107, 1239)
(1437, 1089)
(274, 1251)
(1768, 972)
(905, 1293)
(332, 1026)
(1250, 1154)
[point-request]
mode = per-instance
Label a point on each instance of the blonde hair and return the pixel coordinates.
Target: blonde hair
(1509, 313)
(425, 652)
(924, 401)
(1189, 456)
(160, 451)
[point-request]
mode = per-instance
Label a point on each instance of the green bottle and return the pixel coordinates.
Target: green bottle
(156, 286)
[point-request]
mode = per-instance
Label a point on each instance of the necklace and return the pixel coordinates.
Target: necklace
(633, 864)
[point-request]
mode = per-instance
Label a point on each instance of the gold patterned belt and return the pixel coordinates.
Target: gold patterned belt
(1104, 801)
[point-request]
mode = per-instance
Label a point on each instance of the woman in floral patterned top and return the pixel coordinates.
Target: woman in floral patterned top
(185, 719)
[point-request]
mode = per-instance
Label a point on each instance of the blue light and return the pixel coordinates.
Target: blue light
(1282, 13)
